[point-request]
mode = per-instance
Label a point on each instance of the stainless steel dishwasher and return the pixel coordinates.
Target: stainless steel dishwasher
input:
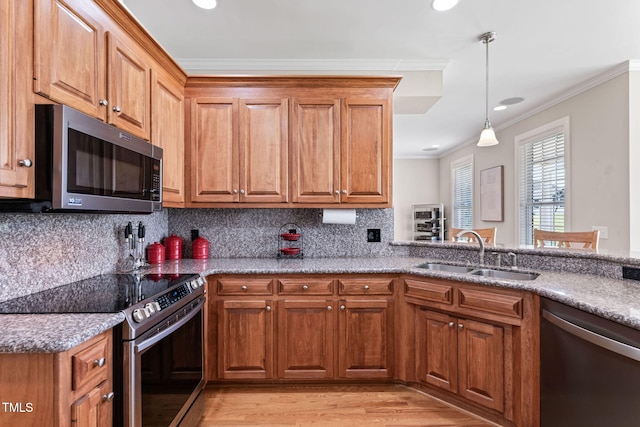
(590, 369)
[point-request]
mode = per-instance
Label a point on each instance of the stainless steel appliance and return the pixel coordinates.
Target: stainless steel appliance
(590, 369)
(85, 165)
(158, 349)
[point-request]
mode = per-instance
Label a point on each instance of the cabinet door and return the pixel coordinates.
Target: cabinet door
(245, 339)
(95, 409)
(69, 64)
(366, 339)
(436, 349)
(129, 88)
(481, 363)
(315, 150)
(263, 150)
(305, 339)
(366, 151)
(16, 117)
(214, 150)
(168, 133)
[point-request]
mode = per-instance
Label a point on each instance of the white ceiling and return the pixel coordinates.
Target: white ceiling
(543, 49)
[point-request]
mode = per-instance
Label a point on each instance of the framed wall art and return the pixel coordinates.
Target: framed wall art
(491, 194)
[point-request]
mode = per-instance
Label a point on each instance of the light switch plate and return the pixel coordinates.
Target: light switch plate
(604, 231)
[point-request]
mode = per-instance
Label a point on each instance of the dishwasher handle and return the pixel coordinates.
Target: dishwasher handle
(596, 339)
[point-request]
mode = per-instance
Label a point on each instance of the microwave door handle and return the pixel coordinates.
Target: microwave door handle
(139, 348)
(596, 339)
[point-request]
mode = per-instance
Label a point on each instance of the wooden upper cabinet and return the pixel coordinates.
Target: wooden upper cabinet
(167, 125)
(366, 151)
(263, 153)
(129, 88)
(16, 107)
(214, 150)
(69, 59)
(315, 150)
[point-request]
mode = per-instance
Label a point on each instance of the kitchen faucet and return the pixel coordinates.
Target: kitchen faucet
(480, 242)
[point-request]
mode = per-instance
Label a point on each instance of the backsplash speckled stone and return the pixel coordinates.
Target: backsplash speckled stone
(42, 251)
(241, 233)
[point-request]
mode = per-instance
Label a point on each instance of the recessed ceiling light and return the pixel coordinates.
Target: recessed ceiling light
(511, 101)
(442, 5)
(500, 108)
(434, 147)
(206, 4)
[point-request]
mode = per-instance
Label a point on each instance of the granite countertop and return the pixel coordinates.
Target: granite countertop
(613, 299)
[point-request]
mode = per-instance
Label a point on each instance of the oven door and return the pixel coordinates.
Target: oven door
(164, 369)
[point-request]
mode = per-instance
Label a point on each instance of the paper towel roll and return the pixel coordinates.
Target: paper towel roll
(338, 216)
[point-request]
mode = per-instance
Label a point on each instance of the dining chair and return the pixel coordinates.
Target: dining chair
(566, 239)
(487, 234)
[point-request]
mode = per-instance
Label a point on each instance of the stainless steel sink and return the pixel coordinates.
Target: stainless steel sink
(501, 274)
(446, 267)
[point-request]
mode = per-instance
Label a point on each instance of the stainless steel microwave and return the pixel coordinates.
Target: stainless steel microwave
(85, 165)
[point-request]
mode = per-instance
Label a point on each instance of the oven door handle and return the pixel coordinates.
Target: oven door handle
(171, 329)
(596, 339)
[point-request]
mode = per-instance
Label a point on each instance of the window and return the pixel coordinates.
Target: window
(542, 163)
(462, 197)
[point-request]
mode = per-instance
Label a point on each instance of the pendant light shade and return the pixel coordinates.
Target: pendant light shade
(488, 136)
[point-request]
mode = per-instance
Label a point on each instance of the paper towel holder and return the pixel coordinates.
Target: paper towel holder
(346, 216)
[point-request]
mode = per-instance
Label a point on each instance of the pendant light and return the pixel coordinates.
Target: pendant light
(206, 4)
(488, 136)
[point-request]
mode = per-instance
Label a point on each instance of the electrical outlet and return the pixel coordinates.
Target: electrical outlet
(632, 273)
(373, 234)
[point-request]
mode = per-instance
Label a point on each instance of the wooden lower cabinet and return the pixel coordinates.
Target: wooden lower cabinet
(306, 339)
(245, 339)
(71, 388)
(461, 356)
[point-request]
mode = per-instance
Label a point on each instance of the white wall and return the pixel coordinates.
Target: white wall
(634, 162)
(599, 120)
(415, 181)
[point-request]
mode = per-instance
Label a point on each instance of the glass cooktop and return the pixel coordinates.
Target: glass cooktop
(107, 293)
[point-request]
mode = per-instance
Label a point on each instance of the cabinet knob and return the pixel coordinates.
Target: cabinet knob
(243, 287)
(99, 362)
(305, 287)
(366, 287)
(108, 397)
(235, 191)
(344, 191)
(103, 102)
(268, 308)
(337, 191)
(329, 308)
(116, 109)
(25, 163)
(342, 307)
(451, 324)
(460, 326)
(241, 191)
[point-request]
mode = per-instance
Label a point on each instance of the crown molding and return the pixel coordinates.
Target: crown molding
(196, 65)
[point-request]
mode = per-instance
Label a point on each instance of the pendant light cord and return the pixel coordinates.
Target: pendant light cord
(486, 109)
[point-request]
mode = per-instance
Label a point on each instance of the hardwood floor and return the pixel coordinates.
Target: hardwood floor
(352, 406)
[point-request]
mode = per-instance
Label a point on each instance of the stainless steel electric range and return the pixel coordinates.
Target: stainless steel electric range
(158, 349)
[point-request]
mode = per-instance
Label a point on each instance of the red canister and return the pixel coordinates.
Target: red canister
(173, 246)
(155, 253)
(200, 248)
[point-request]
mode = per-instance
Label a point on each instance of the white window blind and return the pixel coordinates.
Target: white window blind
(542, 185)
(462, 177)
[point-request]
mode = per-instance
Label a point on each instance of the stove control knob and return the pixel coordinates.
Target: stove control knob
(194, 284)
(156, 305)
(139, 315)
(150, 308)
(201, 280)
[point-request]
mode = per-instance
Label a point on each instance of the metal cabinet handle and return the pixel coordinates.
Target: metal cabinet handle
(305, 287)
(460, 326)
(342, 307)
(243, 287)
(99, 362)
(116, 109)
(344, 191)
(451, 324)
(108, 397)
(268, 308)
(241, 191)
(103, 102)
(235, 191)
(337, 191)
(329, 308)
(25, 163)
(366, 287)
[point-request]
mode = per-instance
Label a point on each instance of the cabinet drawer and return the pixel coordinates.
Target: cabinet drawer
(245, 287)
(490, 302)
(429, 291)
(91, 365)
(366, 287)
(305, 287)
